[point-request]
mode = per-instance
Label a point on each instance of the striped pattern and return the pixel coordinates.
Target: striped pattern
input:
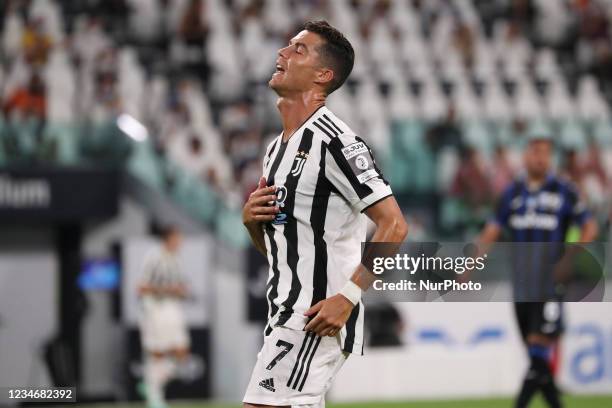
(317, 246)
(300, 371)
(161, 270)
(532, 274)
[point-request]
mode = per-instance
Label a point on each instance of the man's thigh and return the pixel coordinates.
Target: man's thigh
(294, 368)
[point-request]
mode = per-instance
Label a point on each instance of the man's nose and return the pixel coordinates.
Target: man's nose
(283, 52)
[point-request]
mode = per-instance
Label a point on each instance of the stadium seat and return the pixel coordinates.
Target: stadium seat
(342, 103)
(573, 135)
(145, 20)
(447, 164)
(602, 131)
(433, 103)
(591, 104)
(527, 103)
(411, 163)
(146, 166)
(61, 142)
(485, 68)
(496, 104)
(401, 102)
(546, 65)
(192, 194)
(559, 102)
(372, 112)
(12, 34)
(477, 134)
(467, 104)
(49, 13)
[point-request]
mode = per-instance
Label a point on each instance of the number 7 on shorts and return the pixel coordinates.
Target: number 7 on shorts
(286, 349)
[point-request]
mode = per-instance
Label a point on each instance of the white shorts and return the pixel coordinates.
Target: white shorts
(163, 327)
(295, 368)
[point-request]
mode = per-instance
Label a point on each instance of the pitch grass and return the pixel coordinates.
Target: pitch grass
(570, 402)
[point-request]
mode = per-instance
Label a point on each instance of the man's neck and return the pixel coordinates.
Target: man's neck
(535, 182)
(295, 110)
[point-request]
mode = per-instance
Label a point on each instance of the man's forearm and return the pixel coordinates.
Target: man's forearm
(589, 231)
(257, 237)
(391, 235)
(363, 278)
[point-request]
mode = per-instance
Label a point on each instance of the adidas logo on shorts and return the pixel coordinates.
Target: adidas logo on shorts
(268, 384)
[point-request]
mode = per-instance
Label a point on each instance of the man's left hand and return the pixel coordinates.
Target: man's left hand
(331, 315)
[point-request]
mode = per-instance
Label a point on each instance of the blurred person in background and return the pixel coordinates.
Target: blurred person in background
(587, 171)
(573, 167)
(502, 170)
(193, 30)
(164, 332)
(28, 101)
(464, 42)
(472, 184)
(446, 132)
(594, 45)
(36, 44)
(539, 207)
(26, 111)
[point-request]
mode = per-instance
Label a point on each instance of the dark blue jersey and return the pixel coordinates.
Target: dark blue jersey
(539, 217)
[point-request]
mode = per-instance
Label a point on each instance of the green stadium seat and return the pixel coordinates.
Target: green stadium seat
(602, 131)
(452, 214)
(479, 135)
(228, 225)
(60, 143)
(411, 165)
(572, 135)
(192, 194)
(19, 140)
(146, 166)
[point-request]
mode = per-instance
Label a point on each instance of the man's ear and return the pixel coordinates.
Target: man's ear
(324, 76)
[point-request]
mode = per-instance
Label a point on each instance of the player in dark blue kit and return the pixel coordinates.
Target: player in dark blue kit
(536, 210)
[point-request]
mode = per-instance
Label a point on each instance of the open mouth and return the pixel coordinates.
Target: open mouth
(279, 68)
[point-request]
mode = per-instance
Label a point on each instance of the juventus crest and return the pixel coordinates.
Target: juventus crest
(298, 164)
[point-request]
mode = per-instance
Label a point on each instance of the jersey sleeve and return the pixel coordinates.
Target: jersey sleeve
(351, 169)
(578, 211)
(502, 210)
(149, 266)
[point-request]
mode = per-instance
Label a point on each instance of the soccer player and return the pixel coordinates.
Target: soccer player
(305, 217)
(164, 333)
(538, 207)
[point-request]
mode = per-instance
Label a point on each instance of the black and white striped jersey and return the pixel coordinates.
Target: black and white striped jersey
(326, 177)
(161, 270)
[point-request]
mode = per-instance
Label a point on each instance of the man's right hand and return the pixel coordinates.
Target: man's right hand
(257, 209)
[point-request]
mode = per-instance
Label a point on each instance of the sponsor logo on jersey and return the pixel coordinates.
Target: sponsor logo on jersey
(361, 162)
(268, 384)
(281, 196)
(534, 221)
(550, 201)
(367, 175)
(354, 149)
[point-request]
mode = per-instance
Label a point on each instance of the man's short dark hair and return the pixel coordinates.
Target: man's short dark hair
(165, 231)
(336, 53)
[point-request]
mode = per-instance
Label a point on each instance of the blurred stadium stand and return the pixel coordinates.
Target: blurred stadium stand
(444, 91)
(175, 93)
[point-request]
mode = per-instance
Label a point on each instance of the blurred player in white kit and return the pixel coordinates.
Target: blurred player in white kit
(164, 333)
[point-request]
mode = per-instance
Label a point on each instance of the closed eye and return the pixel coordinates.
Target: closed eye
(300, 48)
